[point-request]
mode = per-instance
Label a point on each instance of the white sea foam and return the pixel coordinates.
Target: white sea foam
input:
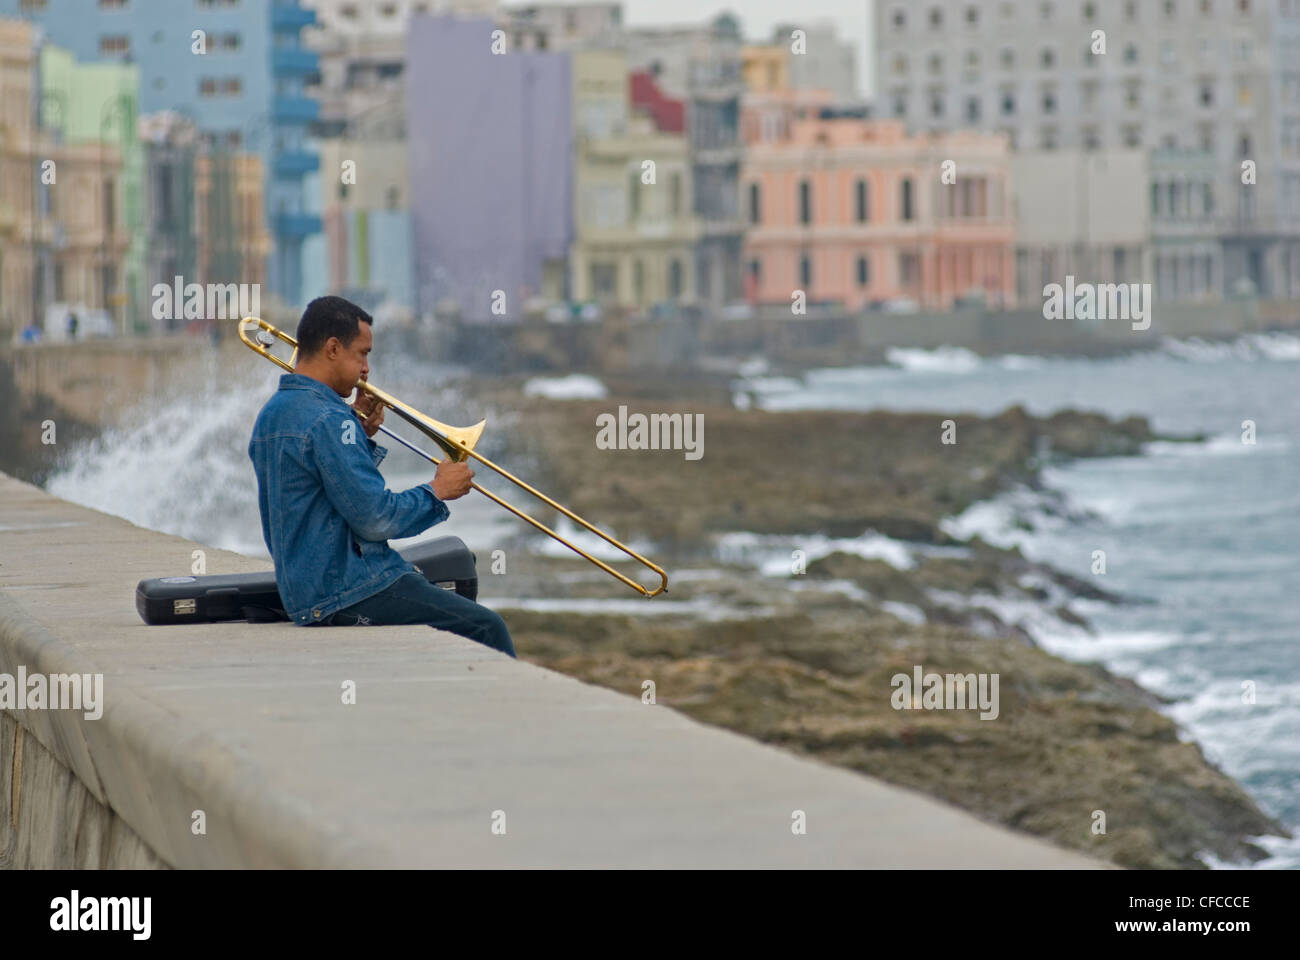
(773, 555)
(576, 386)
(938, 360)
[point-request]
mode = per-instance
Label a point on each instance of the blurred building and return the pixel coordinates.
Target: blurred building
(98, 103)
(634, 241)
(1081, 213)
(1217, 78)
(490, 139)
(170, 145)
(701, 65)
(826, 63)
(852, 212)
(63, 241)
(368, 223)
(240, 81)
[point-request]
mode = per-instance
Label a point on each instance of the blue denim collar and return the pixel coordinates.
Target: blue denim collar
(296, 381)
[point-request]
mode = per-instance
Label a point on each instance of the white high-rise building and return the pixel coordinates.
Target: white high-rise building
(1199, 86)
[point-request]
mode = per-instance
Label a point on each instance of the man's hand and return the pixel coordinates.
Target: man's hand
(371, 412)
(451, 481)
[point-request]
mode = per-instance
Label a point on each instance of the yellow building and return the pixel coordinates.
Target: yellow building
(765, 67)
(634, 226)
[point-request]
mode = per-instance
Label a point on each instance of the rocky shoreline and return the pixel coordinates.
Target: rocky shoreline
(803, 658)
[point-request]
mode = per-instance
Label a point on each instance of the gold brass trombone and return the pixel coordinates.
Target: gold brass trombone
(458, 443)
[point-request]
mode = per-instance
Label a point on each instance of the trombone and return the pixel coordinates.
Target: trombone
(458, 443)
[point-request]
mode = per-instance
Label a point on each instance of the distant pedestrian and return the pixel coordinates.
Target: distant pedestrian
(73, 323)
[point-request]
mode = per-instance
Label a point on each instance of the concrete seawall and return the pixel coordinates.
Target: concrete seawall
(247, 724)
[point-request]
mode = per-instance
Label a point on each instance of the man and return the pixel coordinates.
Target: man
(327, 515)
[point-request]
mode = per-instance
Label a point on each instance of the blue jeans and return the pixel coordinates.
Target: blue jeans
(413, 599)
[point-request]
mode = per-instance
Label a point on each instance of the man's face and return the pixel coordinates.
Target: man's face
(352, 362)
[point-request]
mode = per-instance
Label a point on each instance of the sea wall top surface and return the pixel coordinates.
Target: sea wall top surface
(451, 756)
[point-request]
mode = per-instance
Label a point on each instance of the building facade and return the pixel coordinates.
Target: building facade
(635, 240)
(63, 240)
(239, 78)
(490, 141)
(367, 214)
(702, 65)
(1218, 77)
(855, 212)
(84, 103)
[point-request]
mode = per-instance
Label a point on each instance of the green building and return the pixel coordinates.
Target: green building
(99, 102)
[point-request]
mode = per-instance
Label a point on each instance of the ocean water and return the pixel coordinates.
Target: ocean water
(1209, 532)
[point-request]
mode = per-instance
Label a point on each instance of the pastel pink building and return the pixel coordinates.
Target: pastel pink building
(853, 211)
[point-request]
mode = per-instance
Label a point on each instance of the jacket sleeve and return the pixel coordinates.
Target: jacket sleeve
(345, 459)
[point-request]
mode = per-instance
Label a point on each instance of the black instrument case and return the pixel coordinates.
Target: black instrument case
(445, 561)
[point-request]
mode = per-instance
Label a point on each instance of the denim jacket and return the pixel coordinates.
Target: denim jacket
(327, 515)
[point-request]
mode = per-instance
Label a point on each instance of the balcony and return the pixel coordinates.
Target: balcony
(295, 163)
(290, 18)
(297, 110)
(296, 226)
(292, 62)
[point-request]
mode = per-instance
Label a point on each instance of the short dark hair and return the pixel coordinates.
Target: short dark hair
(327, 317)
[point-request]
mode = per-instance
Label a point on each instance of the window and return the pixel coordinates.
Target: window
(907, 269)
(972, 109)
(936, 18)
(805, 272)
(1089, 89)
(392, 198)
(805, 201)
(1048, 138)
(1049, 100)
(634, 200)
(1091, 138)
(864, 272)
(1132, 136)
(1131, 53)
(114, 44)
(207, 87)
(1206, 93)
(936, 64)
(1171, 9)
(32, 6)
(906, 213)
(675, 191)
(112, 4)
(1132, 94)
(936, 105)
(755, 205)
(1048, 58)
(1090, 11)
(862, 202)
(1008, 58)
(899, 20)
(1045, 10)
(1008, 103)
(972, 15)
(232, 86)
(900, 64)
(1130, 10)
